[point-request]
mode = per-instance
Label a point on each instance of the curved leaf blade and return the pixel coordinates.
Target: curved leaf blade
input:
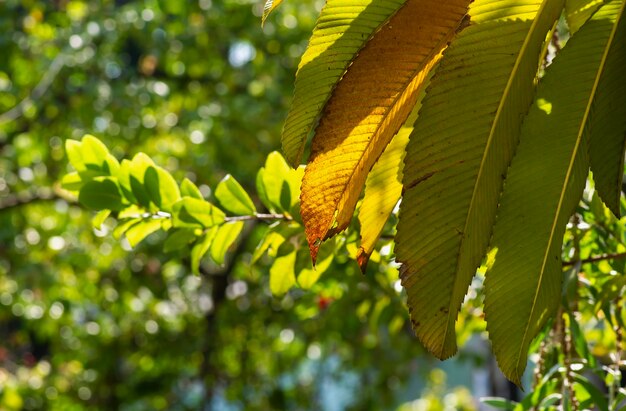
(343, 28)
(544, 184)
(367, 109)
(457, 156)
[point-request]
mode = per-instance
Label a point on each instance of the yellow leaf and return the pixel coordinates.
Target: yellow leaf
(368, 107)
(269, 6)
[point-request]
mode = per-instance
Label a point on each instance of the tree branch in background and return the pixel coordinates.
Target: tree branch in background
(595, 259)
(40, 89)
(38, 195)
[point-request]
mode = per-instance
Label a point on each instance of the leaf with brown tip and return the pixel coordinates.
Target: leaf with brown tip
(368, 107)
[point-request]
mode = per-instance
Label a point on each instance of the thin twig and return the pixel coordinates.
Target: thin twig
(258, 216)
(22, 199)
(40, 89)
(595, 259)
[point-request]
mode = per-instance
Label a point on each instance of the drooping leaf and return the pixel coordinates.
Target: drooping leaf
(268, 7)
(99, 218)
(232, 197)
(102, 193)
(458, 154)
(193, 213)
(282, 272)
(71, 181)
(200, 249)
(161, 187)
(368, 107)
(179, 239)
(224, 238)
(309, 275)
(607, 128)
(543, 186)
(383, 189)
(342, 29)
(577, 12)
(141, 230)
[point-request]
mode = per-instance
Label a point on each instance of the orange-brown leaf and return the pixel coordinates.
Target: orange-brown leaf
(368, 107)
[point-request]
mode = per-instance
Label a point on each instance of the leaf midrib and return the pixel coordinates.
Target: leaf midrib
(440, 47)
(483, 161)
(568, 176)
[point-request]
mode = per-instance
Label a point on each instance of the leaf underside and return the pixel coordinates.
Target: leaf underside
(543, 186)
(458, 155)
(343, 28)
(368, 107)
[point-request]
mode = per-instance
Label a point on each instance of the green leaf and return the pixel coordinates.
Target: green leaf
(99, 218)
(271, 241)
(200, 249)
(71, 181)
(189, 189)
(607, 127)
(137, 170)
(124, 181)
(597, 398)
(141, 230)
(270, 5)
(500, 403)
(543, 186)
(282, 274)
(91, 158)
(232, 197)
(192, 213)
(123, 226)
(101, 194)
(278, 185)
(179, 239)
(458, 154)
(224, 238)
(577, 12)
(343, 28)
(161, 187)
(308, 276)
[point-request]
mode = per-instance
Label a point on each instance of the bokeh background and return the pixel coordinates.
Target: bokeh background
(86, 323)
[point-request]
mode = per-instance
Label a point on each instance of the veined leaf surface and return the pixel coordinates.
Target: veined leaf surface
(383, 189)
(577, 12)
(458, 154)
(343, 28)
(543, 186)
(607, 127)
(368, 107)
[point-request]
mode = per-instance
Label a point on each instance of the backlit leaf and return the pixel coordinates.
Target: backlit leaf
(189, 189)
(192, 213)
(458, 154)
(342, 29)
(232, 197)
(141, 230)
(368, 107)
(200, 249)
(161, 187)
(543, 186)
(282, 274)
(224, 238)
(100, 194)
(268, 7)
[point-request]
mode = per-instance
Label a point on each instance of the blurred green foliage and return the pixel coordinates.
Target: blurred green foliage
(101, 312)
(89, 323)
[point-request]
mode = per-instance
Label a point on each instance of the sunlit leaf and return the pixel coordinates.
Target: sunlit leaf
(282, 274)
(189, 189)
(543, 186)
(201, 248)
(192, 213)
(368, 107)
(161, 187)
(141, 230)
(458, 154)
(232, 197)
(101, 194)
(224, 238)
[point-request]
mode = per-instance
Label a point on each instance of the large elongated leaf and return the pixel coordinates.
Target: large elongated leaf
(383, 189)
(543, 186)
(577, 12)
(458, 154)
(343, 28)
(368, 107)
(607, 128)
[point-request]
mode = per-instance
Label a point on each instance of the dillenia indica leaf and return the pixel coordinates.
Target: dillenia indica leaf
(577, 12)
(342, 29)
(543, 186)
(458, 154)
(268, 7)
(368, 107)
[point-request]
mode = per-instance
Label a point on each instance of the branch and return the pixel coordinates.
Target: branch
(595, 259)
(39, 90)
(35, 196)
(259, 216)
